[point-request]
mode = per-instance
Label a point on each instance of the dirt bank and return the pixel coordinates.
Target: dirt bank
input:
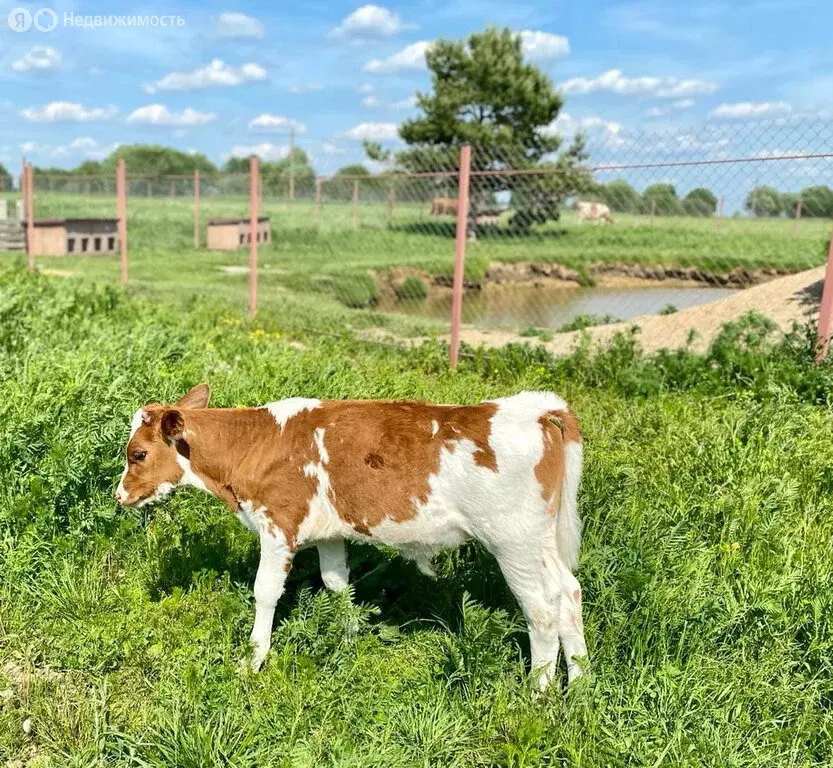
(504, 273)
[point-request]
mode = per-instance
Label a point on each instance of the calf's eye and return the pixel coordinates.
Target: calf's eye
(138, 455)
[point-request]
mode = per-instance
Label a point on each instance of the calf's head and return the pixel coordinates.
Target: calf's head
(155, 462)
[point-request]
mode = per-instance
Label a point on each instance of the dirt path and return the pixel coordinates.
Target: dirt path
(783, 300)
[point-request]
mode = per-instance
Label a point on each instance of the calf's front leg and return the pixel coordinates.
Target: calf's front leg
(275, 560)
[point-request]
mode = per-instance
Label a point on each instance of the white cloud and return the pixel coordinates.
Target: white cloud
(238, 26)
(408, 59)
(67, 111)
(332, 149)
(368, 22)
(370, 101)
(675, 89)
(365, 88)
(680, 104)
(614, 81)
(158, 114)
(305, 87)
(566, 123)
(408, 103)
(751, 109)
(38, 59)
(373, 131)
(265, 151)
(543, 45)
(84, 147)
(217, 73)
(266, 123)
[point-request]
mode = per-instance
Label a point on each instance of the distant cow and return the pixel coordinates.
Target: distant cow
(442, 206)
(414, 476)
(595, 212)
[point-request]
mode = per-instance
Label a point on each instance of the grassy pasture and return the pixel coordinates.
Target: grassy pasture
(706, 560)
(313, 257)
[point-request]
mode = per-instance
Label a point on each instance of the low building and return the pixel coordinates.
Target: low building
(228, 234)
(70, 237)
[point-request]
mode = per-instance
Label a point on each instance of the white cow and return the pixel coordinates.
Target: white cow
(595, 212)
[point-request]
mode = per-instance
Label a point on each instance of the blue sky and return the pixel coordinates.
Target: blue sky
(233, 78)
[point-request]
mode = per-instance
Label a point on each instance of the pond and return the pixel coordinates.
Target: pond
(552, 306)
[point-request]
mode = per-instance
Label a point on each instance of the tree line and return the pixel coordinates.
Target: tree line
(812, 202)
(762, 201)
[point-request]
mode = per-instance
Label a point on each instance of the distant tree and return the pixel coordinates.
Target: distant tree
(236, 165)
(620, 196)
(374, 151)
(665, 200)
(817, 202)
(354, 169)
(156, 160)
(89, 168)
(275, 174)
(789, 204)
(763, 201)
(6, 182)
(700, 202)
(484, 93)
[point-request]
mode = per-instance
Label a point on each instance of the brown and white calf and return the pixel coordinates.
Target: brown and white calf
(411, 475)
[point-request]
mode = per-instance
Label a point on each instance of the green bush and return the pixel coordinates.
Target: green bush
(356, 291)
(580, 322)
(412, 287)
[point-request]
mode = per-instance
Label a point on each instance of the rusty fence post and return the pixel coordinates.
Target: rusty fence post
(798, 204)
(355, 204)
(826, 309)
(460, 252)
(391, 202)
(196, 208)
(653, 210)
(121, 213)
(254, 200)
(30, 216)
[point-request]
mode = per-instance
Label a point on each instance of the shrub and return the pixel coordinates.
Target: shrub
(357, 291)
(412, 288)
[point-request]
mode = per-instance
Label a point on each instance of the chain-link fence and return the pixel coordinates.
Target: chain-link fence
(640, 224)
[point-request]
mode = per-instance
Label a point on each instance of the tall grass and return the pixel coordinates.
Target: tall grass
(706, 562)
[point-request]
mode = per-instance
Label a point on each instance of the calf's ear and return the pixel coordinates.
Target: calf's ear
(197, 397)
(172, 426)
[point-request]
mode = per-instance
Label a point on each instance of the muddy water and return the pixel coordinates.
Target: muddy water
(500, 306)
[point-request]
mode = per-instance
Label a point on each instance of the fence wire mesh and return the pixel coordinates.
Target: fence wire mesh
(640, 223)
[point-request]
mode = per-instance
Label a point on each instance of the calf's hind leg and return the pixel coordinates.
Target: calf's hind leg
(522, 570)
(332, 559)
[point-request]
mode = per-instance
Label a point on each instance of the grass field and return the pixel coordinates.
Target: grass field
(708, 517)
(327, 261)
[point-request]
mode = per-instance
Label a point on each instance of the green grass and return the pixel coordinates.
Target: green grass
(705, 565)
(311, 256)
